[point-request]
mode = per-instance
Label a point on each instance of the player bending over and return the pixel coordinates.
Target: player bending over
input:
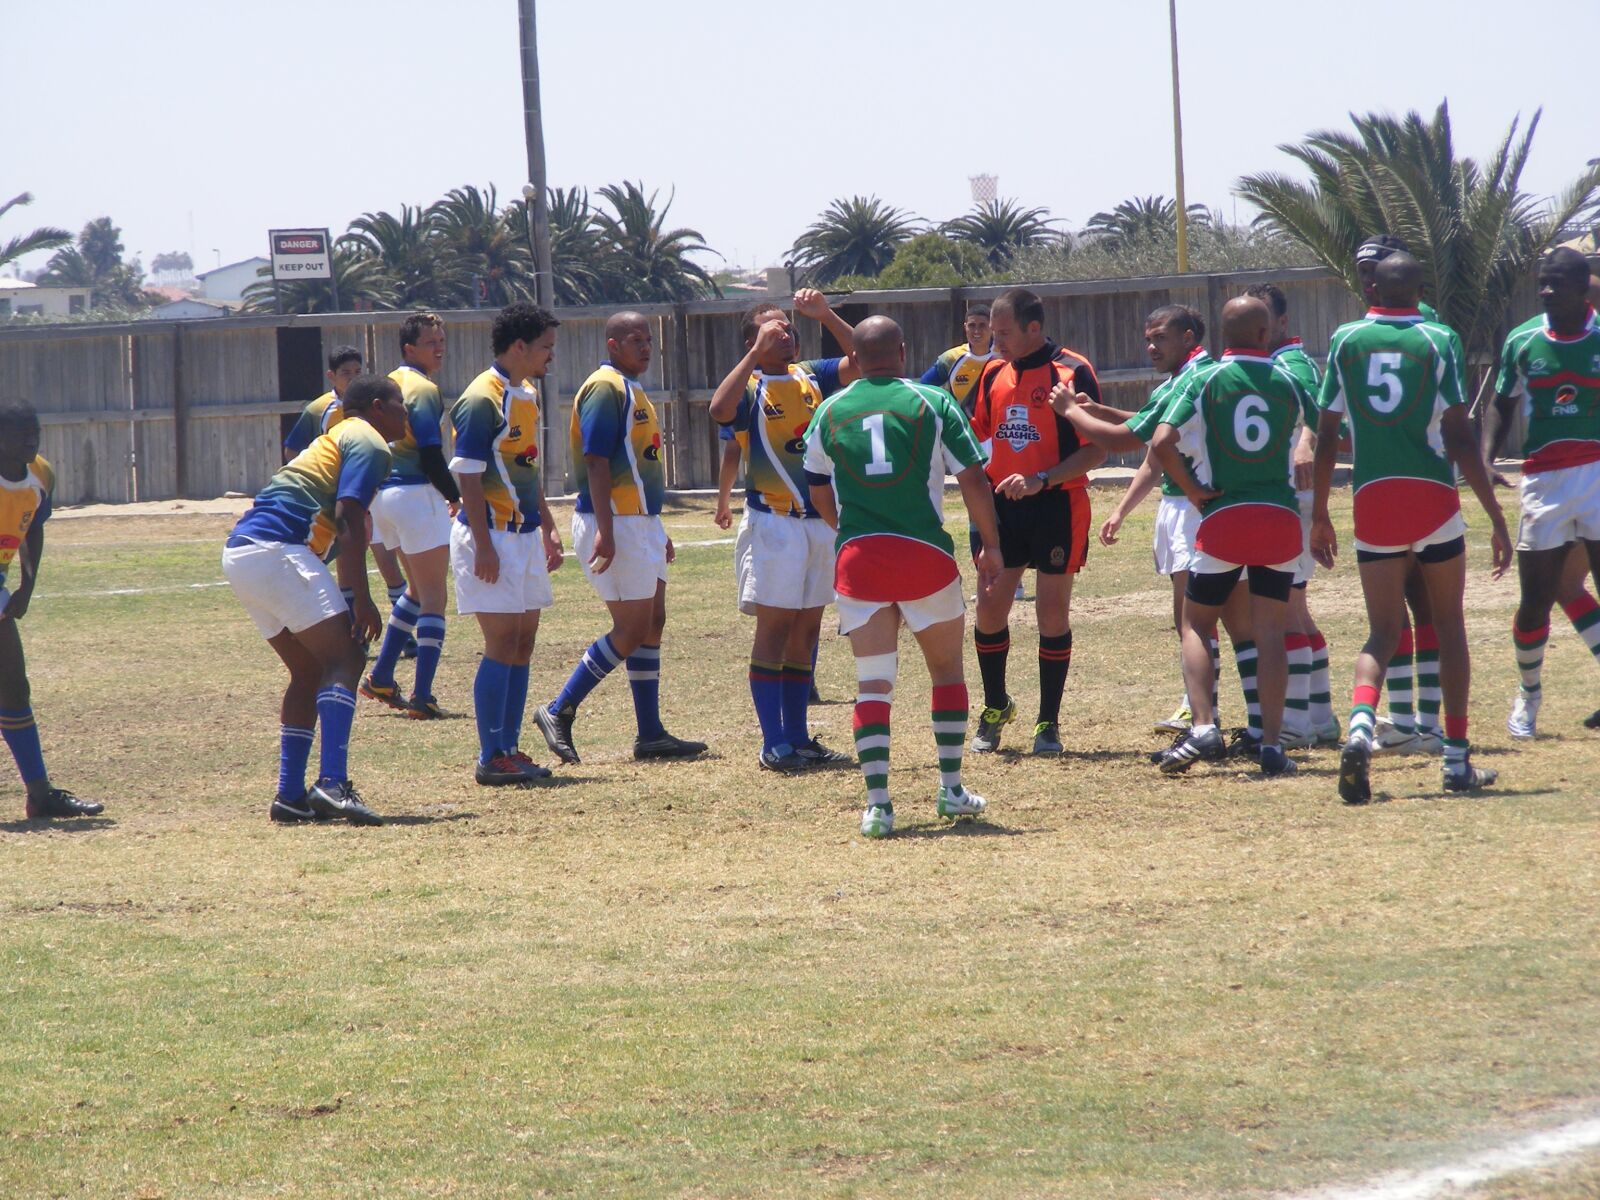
(877, 454)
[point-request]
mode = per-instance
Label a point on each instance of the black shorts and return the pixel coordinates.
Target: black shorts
(1437, 553)
(1214, 590)
(1048, 532)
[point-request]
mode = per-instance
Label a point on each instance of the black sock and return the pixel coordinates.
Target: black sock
(992, 651)
(1055, 656)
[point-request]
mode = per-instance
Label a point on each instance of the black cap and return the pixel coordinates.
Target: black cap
(1379, 247)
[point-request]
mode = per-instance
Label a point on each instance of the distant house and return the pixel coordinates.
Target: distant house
(229, 281)
(189, 308)
(19, 298)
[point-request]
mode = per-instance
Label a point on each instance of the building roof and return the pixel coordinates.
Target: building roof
(10, 283)
(256, 259)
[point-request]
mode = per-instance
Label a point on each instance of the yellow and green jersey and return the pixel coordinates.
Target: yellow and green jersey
(770, 428)
(1558, 378)
(613, 419)
(424, 426)
(957, 371)
(497, 432)
(296, 507)
(1393, 375)
(23, 503)
(321, 415)
(1143, 423)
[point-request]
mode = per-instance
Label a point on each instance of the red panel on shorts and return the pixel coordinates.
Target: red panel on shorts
(1398, 512)
(883, 567)
(1252, 535)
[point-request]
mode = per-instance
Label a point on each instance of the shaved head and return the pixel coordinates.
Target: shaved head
(1246, 323)
(1398, 280)
(620, 325)
(1568, 263)
(880, 347)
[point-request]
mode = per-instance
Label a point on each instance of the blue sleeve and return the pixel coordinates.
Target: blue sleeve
(46, 507)
(476, 422)
(304, 432)
(600, 420)
(740, 421)
(826, 371)
(931, 376)
(425, 416)
(362, 467)
(725, 433)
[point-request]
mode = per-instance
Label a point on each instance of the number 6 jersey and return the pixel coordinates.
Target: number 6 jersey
(885, 446)
(1393, 374)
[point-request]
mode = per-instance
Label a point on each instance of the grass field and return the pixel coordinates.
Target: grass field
(694, 979)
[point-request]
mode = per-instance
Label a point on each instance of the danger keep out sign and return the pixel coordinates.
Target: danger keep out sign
(300, 254)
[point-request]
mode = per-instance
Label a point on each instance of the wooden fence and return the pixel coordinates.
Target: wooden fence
(160, 409)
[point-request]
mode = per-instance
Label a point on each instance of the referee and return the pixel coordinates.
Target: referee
(1039, 471)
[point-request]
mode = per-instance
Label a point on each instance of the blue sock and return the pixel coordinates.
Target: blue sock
(644, 678)
(336, 712)
(598, 661)
(402, 620)
(516, 704)
(396, 590)
(294, 752)
(766, 689)
(430, 644)
(489, 706)
(22, 736)
(796, 703)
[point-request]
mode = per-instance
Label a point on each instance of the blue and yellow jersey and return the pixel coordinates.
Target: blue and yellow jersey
(424, 426)
(23, 503)
(612, 418)
(296, 506)
(321, 415)
(497, 433)
(957, 371)
(770, 426)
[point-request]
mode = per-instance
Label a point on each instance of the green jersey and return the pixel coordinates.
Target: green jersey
(1392, 375)
(1558, 378)
(885, 446)
(1236, 420)
(1143, 423)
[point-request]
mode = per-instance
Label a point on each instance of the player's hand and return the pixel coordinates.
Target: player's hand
(17, 607)
(724, 515)
(1200, 496)
(1304, 470)
(1013, 487)
(989, 566)
(672, 552)
(1324, 542)
(365, 623)
(1500, 547)
(454, 507)
(1063, 397)
(771, 336)
(605, 550)
(554, 552)
(486, 562)
(809, 302)
(1108, 531)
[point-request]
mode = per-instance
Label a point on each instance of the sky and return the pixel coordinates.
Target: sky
(198, 126)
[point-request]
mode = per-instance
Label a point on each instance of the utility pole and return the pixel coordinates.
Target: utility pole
(533, 133)
(1177, 143)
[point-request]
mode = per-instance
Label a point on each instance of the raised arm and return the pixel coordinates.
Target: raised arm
(809, 302)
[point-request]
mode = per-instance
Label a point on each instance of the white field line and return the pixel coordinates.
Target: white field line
(1525, 1153)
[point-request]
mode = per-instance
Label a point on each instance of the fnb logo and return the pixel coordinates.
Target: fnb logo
(1566, 404)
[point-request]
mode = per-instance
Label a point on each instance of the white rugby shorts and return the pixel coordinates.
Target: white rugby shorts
(640, 561)
(947, 604)
(411, 517)
(1559, 507)
(1454, 527)
(523, 584)
(282, 586)
(1176, 523)
(1306, 567)
(783, 562)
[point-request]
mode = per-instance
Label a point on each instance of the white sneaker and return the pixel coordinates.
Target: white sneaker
(1329, 734)
(1429, 741)
(1388, 740)
(964, 803)
(877, 821)
(1297, 739)
(1524, 719)
(1180, 720)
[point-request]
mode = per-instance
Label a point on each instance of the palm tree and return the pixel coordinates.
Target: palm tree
(1478, 235)
(583, 268)
(1140, 221)
(361, 278)
(857, 236)
(46, 237)
(486, 242)
(94, 261)
(419, 267)
(1002, 227)
(653, 262)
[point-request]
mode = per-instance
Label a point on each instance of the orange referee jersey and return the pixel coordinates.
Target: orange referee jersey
(1012, 417)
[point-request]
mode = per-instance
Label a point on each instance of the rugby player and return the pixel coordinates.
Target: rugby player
(412, 515)
(504, 544)
(958, 368)
(877, 454)
(1398, 380)
(1039, 471)
(1553, 363)
(26, 487)
(784, 551)
(321, 415)
(618, 537)
(273, 562)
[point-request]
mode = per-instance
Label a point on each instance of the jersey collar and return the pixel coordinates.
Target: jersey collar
(1039, 357)
(1293, 343)
(1246, 355)
(1589, 321)
(1394, 314)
